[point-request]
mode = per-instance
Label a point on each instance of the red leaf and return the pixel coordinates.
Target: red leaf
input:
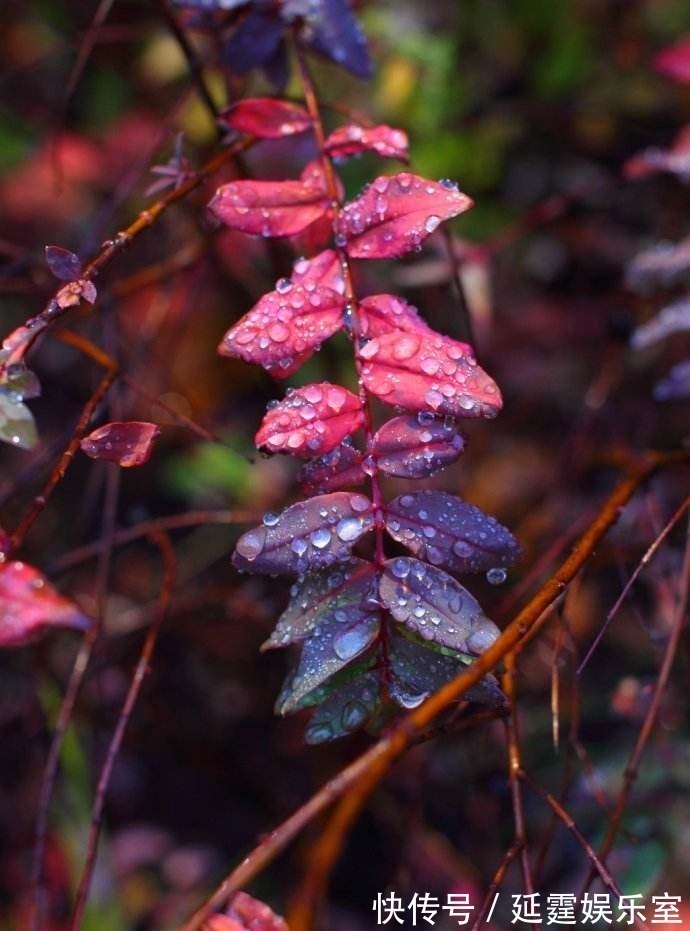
(674, 62)
(289, 323)
(273, 208)
(384, 313)
(128, 444)
(444, 530)
(311, 421)
(416, 447)
(428, 373)
(341, 468)
(246, 913)
(266, 117)
(433, 605)
(395, 215)
(308, 535)
(353, 140)
(30, 605)
(64, 264)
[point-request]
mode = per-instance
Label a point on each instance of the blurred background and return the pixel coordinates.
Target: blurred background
(540, 111)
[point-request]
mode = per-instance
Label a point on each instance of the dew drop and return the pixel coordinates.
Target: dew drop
(251, 544)
(352, 642)
(496, 576)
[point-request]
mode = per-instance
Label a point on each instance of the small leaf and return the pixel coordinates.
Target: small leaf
(311, 421)
(289, 324)
(30, 605)
(353, 140)
(396, 214)
(17, 425)
(273, 208)
(345, 709)
(341, 593)
(128, 444)
(332, 646)
(76, 291)
(255, 41)
(266, 117)
(675, 385)
(434, 606)
(331, 29)
(418, 671)
(246, 913)
(428, 373)
(675, 318)
(417, 446)
(385, 313)
(444, 530)
(308, 535)
(674, 62)
(341, 468)
(64, 264)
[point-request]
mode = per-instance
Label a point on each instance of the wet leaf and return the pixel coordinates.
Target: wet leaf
(254, 43)
(20, 382)
(416, 446)
(64, 264)
(341, 468)
(246, 913)
(345, 709)
(311, 421)
(428, 373)
(17, 425)
(385, 313)
(342, 593)
(266, 117)
(128, 444)
(332, 646)
(419, 671)
(446, 531)
(30, 606)
(396, 214)
(435, 606)
(291, 322)
(353, 140)
(308, 535)
(273, 208)
(331, 29)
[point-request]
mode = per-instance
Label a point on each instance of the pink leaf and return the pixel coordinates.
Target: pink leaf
(395, 215)
(416, 447)
(308, 535)
(353, 140)
(289, 323)
(341, 468)
(273, 208)
(446, 531)
(266, 117)
(428, 373)
(246, 913)
(674, 62)
(384, 313)
(30, 605)
(435, 606)
(311, 421)
(128, 444)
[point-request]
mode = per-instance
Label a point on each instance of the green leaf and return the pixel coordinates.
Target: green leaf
(17, 425)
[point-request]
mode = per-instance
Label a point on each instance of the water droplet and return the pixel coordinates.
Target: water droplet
(251, 544)
(283, 285)
(320, 538)
(270, 520)
(348, 529)
(431, 223)
(352, 642)
(496, 576)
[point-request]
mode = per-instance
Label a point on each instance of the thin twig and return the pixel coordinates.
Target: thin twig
(140, 672)
(495, 885)
(373, 765)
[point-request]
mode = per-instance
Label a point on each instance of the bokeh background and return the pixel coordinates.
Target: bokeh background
(534, 108)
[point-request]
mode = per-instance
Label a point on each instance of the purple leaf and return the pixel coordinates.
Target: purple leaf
(675, 385)
(308, 535)
(342, 593)
(434, 606)
(446, 531)
(64, 264)
(341, 468)
(418, 671)
(332, 30)
(255, 42)
(345, 709)
(416, 446)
